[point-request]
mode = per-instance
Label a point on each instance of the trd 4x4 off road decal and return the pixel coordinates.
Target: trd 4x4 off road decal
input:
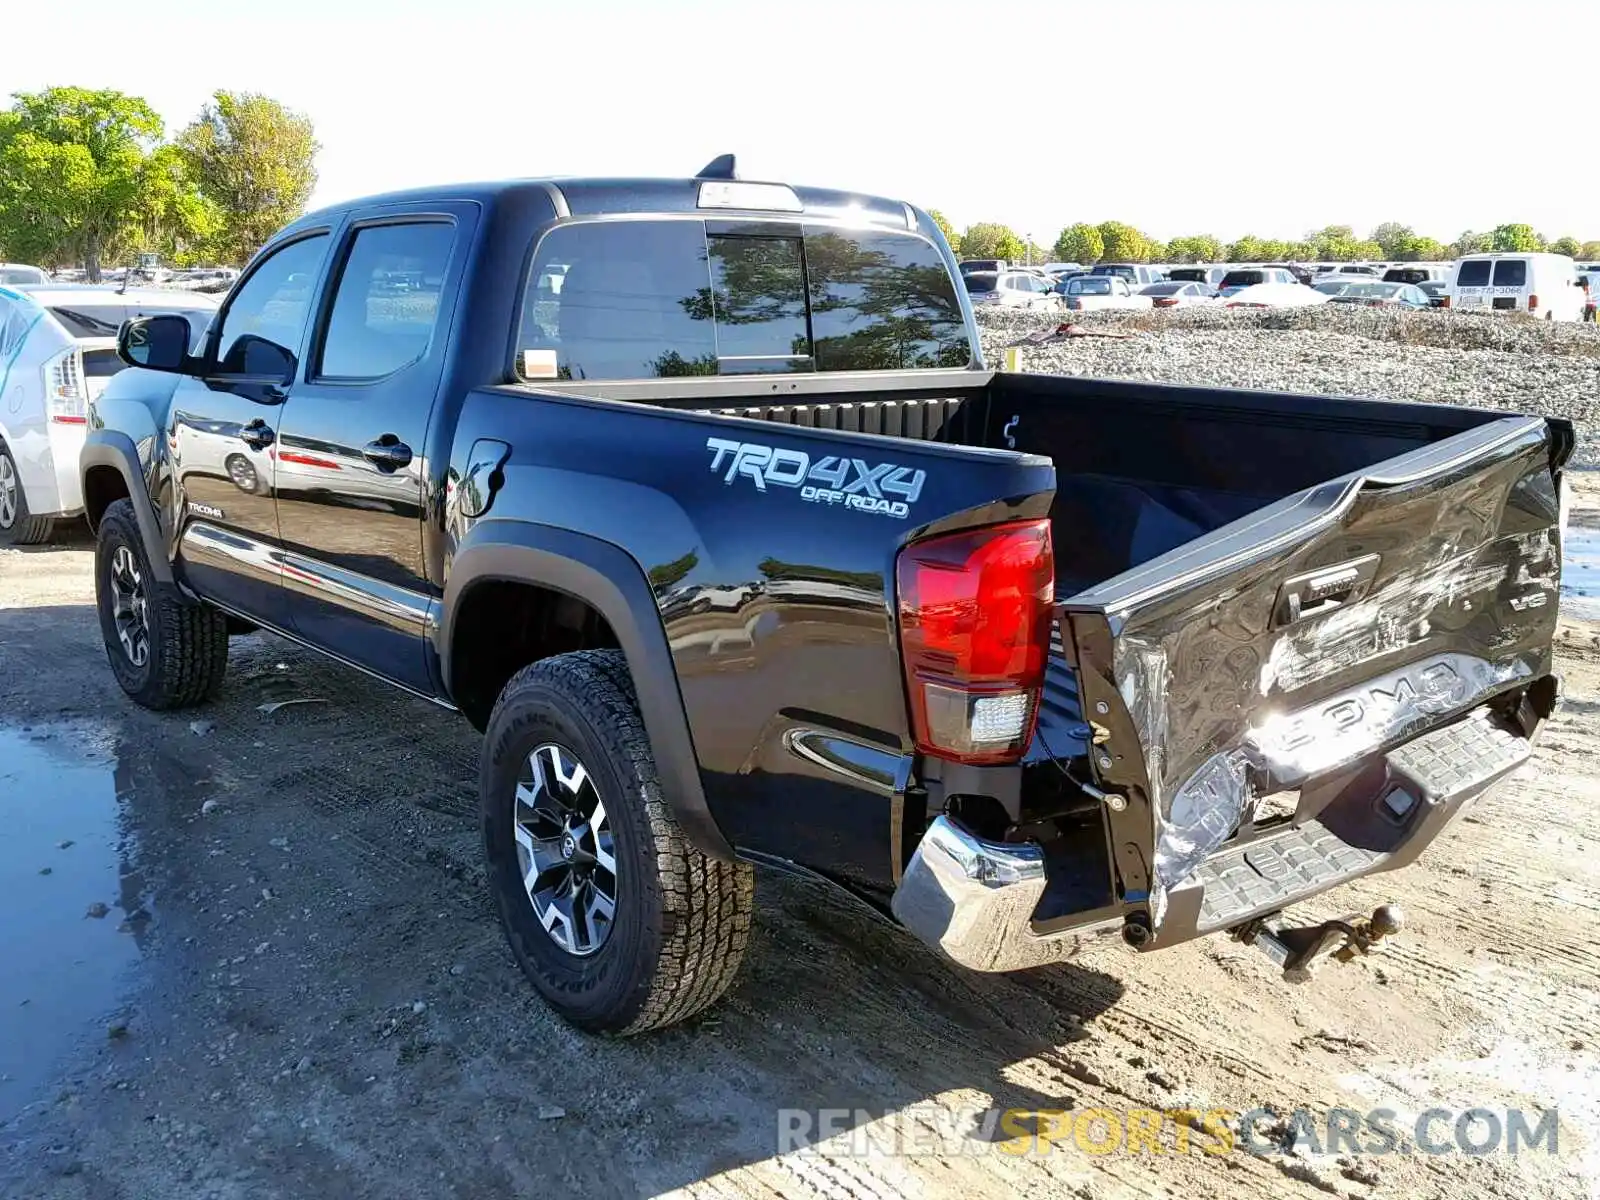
(831, 480)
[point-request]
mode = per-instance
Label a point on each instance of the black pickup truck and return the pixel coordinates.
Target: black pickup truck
(696, 497)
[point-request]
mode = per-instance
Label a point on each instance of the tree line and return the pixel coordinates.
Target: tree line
(88, 177)
(1115, 241)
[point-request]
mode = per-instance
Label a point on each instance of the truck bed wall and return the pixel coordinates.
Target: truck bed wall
(1141, 468)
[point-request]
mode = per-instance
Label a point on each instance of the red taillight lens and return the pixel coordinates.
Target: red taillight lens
(1166, 302)
(1533, 302)
(975, 614)
(1444, 301)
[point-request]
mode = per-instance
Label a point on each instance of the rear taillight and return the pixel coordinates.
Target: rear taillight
(1444, 301)
(1533, 301)
(1166, 302)
(63, 388)
(975, 614)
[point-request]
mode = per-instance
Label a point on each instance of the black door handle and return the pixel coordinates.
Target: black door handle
(257, 435)
(388, 453)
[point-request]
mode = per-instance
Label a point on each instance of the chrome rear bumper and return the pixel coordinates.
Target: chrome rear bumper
(974, 900)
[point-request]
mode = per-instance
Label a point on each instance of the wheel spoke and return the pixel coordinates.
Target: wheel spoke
(565, 849)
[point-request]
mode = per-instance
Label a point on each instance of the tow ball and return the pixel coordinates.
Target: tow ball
(1299, 949)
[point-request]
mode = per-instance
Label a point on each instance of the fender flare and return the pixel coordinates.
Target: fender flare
(113, 448)
(606, 578)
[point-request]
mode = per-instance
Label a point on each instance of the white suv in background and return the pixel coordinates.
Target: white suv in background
(1010, 289)
(58, 347)
(1542, 285)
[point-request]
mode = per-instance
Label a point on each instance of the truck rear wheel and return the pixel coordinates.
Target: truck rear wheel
(618, 921)
(166, 651)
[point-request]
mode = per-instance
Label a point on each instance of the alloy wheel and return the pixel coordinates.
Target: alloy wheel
(130, 606)
(565, 849)
(9, 491)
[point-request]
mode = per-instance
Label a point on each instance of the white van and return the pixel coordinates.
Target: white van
(1544, 285)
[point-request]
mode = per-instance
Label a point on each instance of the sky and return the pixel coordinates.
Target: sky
(1179, 117)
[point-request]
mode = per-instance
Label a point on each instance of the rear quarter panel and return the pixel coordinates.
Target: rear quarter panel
(777, 608)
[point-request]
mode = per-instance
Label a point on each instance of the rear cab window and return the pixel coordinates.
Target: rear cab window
(646, 299)
(1474, 273)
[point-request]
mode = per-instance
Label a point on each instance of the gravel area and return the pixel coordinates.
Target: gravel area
(1450, 358)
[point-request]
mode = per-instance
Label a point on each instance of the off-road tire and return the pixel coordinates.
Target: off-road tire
(25, 529)
(188, 642)
(682, 918)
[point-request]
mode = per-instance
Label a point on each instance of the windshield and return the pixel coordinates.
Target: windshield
(1237, 279)
(1089, 287)
(1125, 271)
(101, 320)
(1371, 291)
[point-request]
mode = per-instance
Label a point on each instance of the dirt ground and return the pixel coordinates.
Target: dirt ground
(297, 988)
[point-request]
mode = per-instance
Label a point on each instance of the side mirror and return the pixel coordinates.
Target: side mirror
(159, 343)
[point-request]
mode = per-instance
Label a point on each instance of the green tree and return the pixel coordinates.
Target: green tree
(1423, 249)
(1010, 247)
(1079, 243)
(1123, 243)
(1471, 243)
(1336, 243)
(1246, 249)
(83, 178)
(1515, 237)
(1590, 251)
(256, 160)
(1568, 246)
(1393, 239)
(983, 240)
(1301, 251)
(1156, 252)
(1195, 248)
(949, 230)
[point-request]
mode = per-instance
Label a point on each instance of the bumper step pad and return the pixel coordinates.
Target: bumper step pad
(1446, 765)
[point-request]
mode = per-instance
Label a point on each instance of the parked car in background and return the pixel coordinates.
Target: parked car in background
(969, 265)
(1298, 273)
(1137, 274)
(1346, 270)
(1243, 277)
(1059, 269)
(58, 349)
(1089, 292)
(1415, 273)
(1210, 276)
(1542, 285)
(1274, 295)
(1333, 285)
(1381, 295)
(1176, 293)
(1009, 289)
(1436, 290)
(16, 274)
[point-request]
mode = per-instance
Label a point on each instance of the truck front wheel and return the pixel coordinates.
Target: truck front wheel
(166, 651)
(618, 921)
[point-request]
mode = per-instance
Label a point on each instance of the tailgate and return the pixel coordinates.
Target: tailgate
(1337, 623)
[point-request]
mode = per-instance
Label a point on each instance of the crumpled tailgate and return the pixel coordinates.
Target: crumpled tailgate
(1339, 622)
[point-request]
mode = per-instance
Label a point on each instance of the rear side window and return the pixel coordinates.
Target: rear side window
(1511, 272)
(387, 300)
(1474, 273)
(651, 299)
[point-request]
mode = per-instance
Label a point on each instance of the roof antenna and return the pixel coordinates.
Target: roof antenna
(720, 167)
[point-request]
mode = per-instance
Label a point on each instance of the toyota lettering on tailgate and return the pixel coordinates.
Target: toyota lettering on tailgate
(884, 488)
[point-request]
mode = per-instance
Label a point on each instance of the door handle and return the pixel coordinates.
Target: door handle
(388, 453)
(257, 435)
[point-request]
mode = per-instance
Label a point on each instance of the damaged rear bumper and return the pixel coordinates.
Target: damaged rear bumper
(976, 900)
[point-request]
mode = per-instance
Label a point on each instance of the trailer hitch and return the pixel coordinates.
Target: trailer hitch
(1299, 949)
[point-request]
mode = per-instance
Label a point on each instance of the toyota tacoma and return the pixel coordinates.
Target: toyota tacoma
(697, 498)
